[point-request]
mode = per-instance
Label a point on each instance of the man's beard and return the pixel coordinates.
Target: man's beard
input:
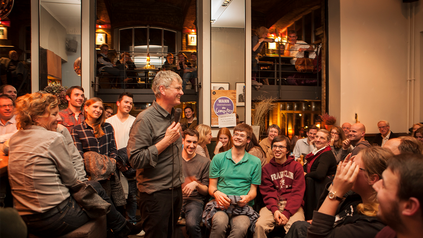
(393, 218)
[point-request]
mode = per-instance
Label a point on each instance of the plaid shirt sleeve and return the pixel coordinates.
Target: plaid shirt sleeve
(111, 143)
(75, 132)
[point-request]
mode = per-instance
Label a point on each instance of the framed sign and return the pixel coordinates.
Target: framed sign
(3, 33)
(192, 40)
(220, 86)
(223, 103)
(100, 38)
(240, 94)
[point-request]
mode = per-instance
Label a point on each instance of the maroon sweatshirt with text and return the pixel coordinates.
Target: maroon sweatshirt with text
(284, 181)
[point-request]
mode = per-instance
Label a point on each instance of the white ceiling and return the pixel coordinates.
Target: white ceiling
(67, 12)
(233, 16)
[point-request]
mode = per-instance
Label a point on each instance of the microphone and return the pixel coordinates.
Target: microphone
(177, 115)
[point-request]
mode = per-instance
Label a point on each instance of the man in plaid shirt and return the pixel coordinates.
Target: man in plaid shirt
(73, 115)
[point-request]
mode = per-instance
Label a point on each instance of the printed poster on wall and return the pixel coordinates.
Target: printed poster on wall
(223, 103)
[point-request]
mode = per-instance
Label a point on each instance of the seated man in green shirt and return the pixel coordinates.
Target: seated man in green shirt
(234, 175)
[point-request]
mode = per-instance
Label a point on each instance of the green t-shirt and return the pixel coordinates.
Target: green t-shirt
(235, 178)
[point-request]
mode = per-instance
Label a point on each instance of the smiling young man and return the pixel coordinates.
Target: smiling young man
(73, 115)
(195, 187)
(237, 173)
(400, 197)
(155, 150)
(122, 123)
(282, 187)
(305, 146)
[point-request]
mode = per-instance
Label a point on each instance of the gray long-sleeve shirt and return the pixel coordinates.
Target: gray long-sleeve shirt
(76, 159)
(154, 171)
(40, 170)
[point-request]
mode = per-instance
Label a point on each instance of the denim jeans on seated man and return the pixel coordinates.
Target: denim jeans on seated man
(193, 210)
(221, 220)
(72, 216)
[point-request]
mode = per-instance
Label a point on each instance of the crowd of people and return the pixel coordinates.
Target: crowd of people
(332, 183)
(122, 71)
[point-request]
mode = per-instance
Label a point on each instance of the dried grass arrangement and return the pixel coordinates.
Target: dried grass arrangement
(328, 119)
(262, 108)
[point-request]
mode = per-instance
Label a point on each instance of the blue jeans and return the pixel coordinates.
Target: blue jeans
(193, 210)
(189, 76)
(70, 217)
(239, 225)
(131, 202)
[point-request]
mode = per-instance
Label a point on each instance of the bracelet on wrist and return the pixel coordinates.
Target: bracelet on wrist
(214, 191)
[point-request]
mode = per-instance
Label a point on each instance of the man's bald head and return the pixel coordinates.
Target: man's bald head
(393, 145)
(358, 126)
(9, 90)
(357, 133)
(404, 144)
(346, 127)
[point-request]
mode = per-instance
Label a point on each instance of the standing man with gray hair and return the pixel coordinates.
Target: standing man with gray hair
(384, 135)
(155, 150)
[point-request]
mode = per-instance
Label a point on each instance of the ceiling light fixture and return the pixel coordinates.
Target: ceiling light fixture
(218, 7)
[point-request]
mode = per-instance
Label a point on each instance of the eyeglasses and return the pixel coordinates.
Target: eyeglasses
(381, 127)
(240, 135)
(177, 88)
(279, 147)
(7, 105)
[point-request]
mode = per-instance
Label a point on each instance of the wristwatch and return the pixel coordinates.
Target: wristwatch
(332, 196)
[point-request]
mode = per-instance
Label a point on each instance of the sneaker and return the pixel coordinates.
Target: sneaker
(142, 233)
(134, 229)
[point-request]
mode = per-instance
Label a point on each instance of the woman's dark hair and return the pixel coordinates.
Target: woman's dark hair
(254, 143)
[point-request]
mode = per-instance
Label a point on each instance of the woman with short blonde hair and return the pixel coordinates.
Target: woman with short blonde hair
(205, 138)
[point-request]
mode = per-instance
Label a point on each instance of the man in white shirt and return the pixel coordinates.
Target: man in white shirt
(7, 118)
(296, 47)
(122, 123)
(305, 146)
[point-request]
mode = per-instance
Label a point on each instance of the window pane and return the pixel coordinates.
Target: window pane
(155, 36)
(140, 38)
(169, 41)
(125, 40)
(307, 28)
